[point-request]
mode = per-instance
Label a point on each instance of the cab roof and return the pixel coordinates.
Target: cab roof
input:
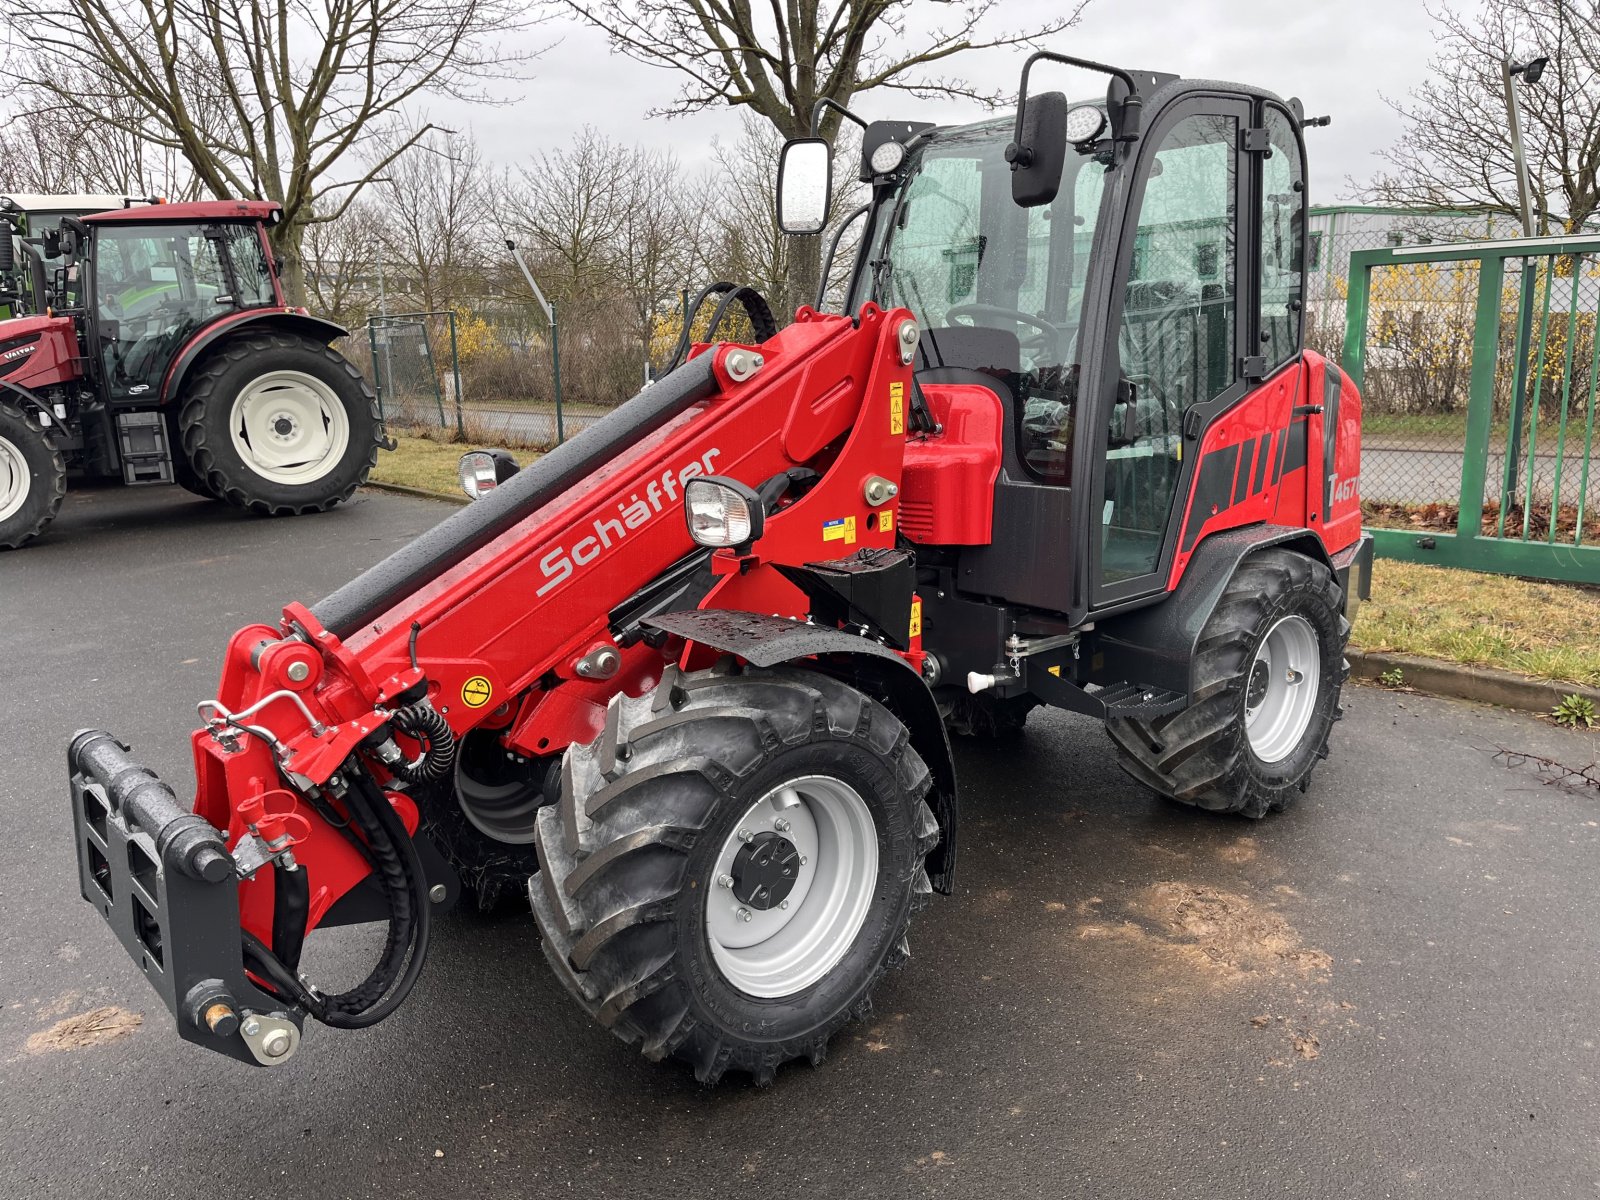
(198, 210)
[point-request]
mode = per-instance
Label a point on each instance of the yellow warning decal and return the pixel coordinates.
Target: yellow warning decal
(1056, 671)
(886, 521)
(476, 691)
(916, 617)
(897, 408)
(840, 529)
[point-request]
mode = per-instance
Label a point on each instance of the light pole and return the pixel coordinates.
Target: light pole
(1531, 71)
(555, 336)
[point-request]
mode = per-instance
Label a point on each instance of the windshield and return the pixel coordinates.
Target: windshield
(997, 288)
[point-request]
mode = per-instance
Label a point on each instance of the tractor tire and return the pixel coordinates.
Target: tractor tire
(183, 472)
(33, 478)
(482, 820)
(665, 899)
(279, 424)
(1248, 741)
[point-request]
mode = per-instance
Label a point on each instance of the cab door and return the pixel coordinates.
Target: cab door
(1175, 337)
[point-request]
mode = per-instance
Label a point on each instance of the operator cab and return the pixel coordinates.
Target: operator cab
(157, 279)
(1115, 307)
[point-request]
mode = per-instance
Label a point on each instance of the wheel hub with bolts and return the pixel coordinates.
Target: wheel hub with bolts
(795, 880)
(765, 870)
(289, 427)
(1281, 691)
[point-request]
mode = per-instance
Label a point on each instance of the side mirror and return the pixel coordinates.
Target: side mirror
(805, 185)
(1040, 153)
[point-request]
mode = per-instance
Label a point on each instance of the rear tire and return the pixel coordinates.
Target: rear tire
(639, 914)
(1249, 740)
(33, 478)
(279, 424)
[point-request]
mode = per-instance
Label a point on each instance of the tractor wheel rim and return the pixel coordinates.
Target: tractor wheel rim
(1282, 686)
(782, 942)
(289, 427)
(15, 479)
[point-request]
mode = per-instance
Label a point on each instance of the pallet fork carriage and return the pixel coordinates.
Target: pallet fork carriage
(687, 681)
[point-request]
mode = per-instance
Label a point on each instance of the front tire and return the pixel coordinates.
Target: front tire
(33, 478)
(1269, 670)
(279, 424)
(662, 898)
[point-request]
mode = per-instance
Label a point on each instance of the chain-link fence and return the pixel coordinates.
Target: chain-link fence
(1479, 365)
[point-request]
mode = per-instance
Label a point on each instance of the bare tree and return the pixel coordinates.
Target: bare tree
(779, 60)
(341, 263)
(266, 98)
(436, 219)
(1456, 151)
(47, 148)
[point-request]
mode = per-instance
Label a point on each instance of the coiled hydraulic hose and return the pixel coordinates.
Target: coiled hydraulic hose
(424, 723)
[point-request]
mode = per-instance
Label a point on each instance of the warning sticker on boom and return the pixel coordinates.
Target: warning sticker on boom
(897, 408)
(840, 529)
(476, 691)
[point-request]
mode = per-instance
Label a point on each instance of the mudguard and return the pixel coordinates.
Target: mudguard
(1156, 646)
(291, 319)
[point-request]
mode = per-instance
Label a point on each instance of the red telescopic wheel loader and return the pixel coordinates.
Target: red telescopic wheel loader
(686, 681)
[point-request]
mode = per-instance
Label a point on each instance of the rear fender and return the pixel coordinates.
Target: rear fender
(290, 320)
(1155, 646)
(876, 670)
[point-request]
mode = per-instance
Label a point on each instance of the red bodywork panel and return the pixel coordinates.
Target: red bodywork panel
(948, 499)
(501, 632)
(50, 358)
(1274, 457)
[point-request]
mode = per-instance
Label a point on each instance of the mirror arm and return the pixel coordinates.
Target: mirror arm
(1128, 127)
(833, 248)
(826, 103)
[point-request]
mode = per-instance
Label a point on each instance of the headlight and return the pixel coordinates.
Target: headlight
(482, 471)
(886, 157)
(1085, 122)
(722, 512)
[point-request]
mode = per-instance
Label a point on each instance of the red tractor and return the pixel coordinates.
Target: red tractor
(686, 680)
(160, 349)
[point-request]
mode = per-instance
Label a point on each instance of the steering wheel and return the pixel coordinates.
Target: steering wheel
(1047, 334)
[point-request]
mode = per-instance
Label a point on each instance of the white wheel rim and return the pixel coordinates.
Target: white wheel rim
(289, 427)
(15, 479)
(792, 942)
(1281, 689)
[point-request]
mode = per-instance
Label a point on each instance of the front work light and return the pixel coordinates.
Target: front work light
(722, 512)
(887, 157)
(482, 471)
(1085, 123)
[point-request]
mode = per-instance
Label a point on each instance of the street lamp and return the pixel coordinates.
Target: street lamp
(555, 336)
(1531, 72)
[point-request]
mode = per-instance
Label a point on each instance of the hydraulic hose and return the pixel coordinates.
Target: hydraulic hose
(291, 905)
(400, 873)
(424, 723)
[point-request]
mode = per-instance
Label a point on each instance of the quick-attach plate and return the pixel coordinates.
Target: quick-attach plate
(182, 932)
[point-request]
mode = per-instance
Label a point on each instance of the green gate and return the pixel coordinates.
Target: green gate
(1479, 387)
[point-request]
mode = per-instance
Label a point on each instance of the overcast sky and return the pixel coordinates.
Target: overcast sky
(1336, 56)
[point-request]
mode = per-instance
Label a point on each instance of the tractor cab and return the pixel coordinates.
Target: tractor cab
(1116, 273)
(157, 276)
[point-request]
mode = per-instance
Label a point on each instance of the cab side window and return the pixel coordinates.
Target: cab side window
(1283, 214)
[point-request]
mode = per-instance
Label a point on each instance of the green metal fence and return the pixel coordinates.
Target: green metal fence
(415, 382)
(1479, 364)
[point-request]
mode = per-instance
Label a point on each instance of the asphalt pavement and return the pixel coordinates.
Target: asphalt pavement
(1390, 990)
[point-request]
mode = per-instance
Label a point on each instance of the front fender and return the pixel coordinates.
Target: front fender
(289, 319)
(874, 669)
